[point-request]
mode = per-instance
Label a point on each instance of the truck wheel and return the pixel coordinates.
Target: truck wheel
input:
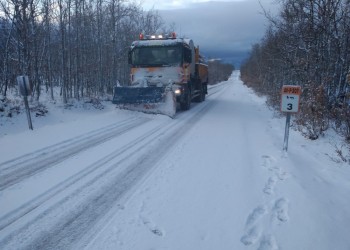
(186, 104)
(199, 97)
(205, 91)
(203, 95)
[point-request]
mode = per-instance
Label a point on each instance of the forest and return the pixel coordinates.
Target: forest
(80, 46)
(219, 71)
(306, 44)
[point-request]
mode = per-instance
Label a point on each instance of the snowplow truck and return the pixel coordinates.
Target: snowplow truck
(165, 70)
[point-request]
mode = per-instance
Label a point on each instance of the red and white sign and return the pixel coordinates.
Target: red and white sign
(290, 98)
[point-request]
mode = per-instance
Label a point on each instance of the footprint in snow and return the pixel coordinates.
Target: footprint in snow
(268, 242)
(253, 231)
(152, 227)
(269, 163)
(266, 161)
(251, 236)
(255, 215)
(280, 210)
(269, 186)
(283, 175)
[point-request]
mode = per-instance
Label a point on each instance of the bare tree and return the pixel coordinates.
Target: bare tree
(307, 45)
(79, 46)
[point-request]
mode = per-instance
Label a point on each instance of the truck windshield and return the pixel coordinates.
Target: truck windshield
(156, 56)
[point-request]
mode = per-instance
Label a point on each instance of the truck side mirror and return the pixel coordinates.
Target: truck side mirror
(188, 56)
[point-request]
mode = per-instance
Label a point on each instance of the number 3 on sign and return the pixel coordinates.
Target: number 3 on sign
(290, 98)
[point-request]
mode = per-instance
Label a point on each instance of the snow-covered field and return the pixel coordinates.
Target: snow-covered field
(214, 177)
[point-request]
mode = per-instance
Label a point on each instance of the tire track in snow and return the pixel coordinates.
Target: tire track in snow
(16, 170)
(15, 215)
(62, 221)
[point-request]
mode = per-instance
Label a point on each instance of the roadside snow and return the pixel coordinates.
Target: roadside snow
(226, 184)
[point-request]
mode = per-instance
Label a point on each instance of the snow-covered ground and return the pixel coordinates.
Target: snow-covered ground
(214, 177)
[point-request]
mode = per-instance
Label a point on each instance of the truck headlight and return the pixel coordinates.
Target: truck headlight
(177, 91)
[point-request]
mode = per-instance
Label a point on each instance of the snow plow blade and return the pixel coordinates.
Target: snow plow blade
(129, 95)
(151, 100)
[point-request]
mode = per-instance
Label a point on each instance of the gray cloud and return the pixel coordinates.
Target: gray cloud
(221, 29)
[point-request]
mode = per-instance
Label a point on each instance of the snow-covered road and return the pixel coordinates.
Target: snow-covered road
(81, 178)
(215, 177)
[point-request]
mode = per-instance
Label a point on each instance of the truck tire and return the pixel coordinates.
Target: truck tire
(201, 95)
(186, 104)
(205, 91)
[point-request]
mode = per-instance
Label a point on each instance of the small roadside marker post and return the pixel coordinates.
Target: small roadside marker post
(290, 99)
(25, 90)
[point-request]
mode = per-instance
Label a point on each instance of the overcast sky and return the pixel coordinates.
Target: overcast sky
(223, 29)
(177, 4)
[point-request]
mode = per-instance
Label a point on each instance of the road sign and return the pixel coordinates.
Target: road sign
(25, 90)
(24, 86)
(290, 98)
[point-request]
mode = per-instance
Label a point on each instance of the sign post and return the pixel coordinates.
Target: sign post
(25, 90)
(290, 99)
